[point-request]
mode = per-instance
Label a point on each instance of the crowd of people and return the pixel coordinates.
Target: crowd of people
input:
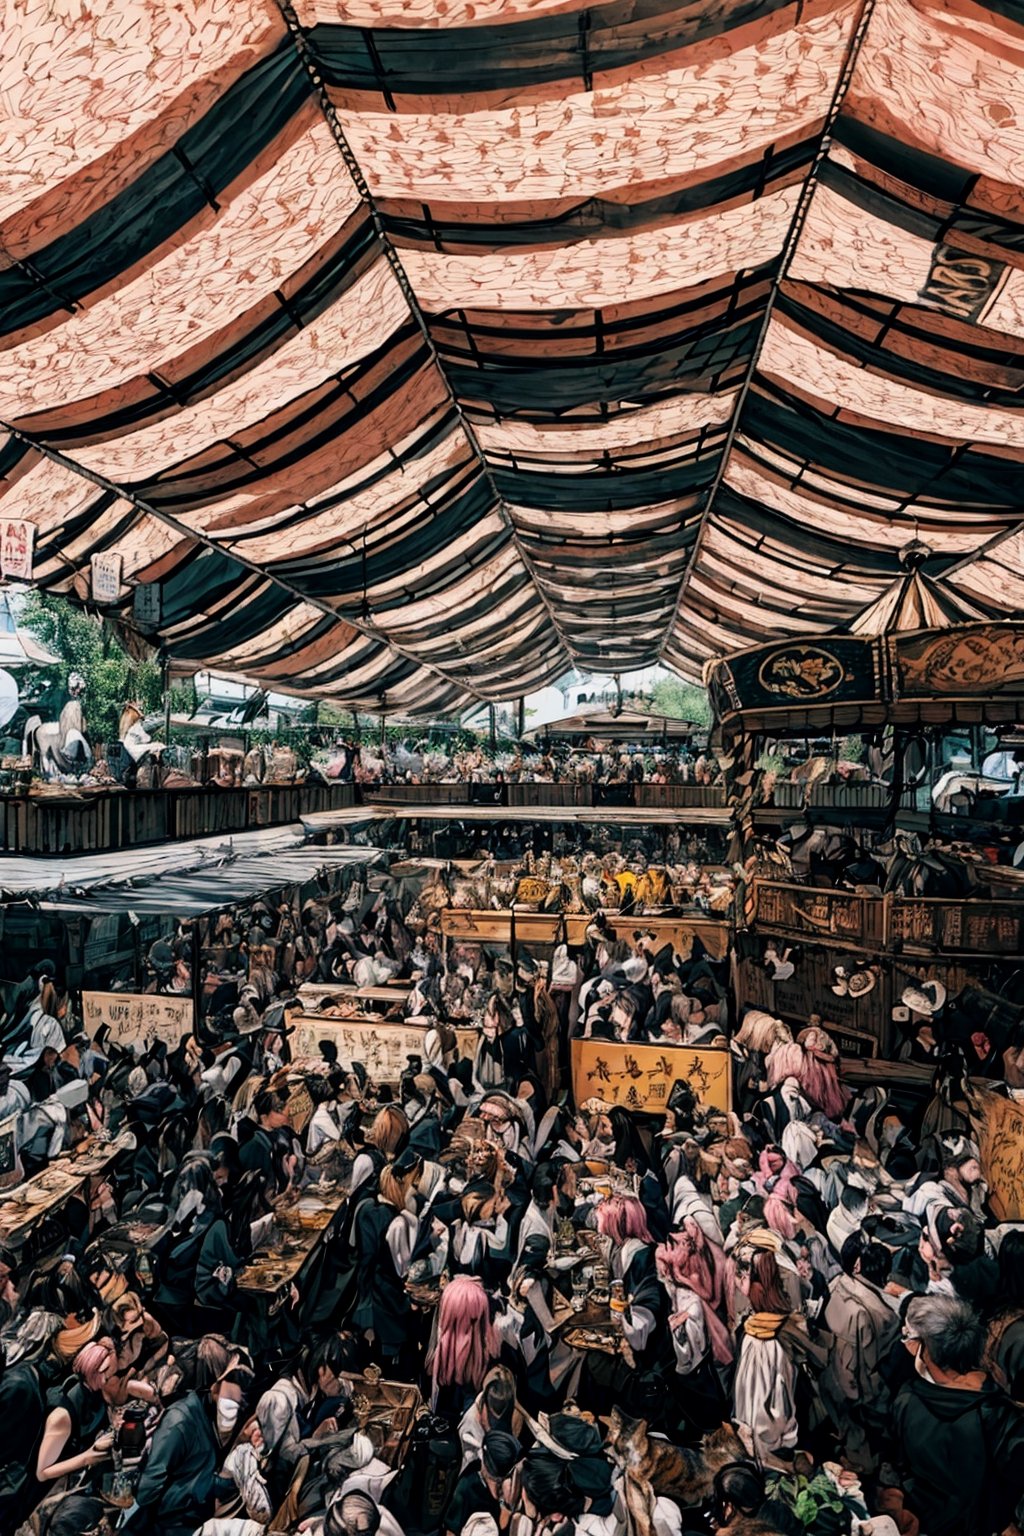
(795, 1314)
(592, 762)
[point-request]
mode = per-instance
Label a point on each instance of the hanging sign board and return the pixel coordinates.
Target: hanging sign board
(17, 539)
(640, 1077)
(138, 1017)
(383, 1048)
(299, 1108)
(147, 604)
(106, 577)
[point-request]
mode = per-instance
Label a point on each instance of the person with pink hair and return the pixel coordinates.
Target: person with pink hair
(76, 1435)
(819, 1072)
(700, 1283)
(623, 1217)
(642, 1304)
(786, 1100)
(465, 1345)
(775, 1179)
(692, 1268)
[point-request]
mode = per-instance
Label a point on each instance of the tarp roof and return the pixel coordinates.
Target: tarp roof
(627, 725)
(19, 647)
(421, 349)
(180, 879)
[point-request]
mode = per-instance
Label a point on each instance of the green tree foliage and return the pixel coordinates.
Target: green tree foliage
(89, 646)
(682, 701)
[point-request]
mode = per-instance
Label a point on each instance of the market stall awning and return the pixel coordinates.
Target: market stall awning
(180, 879)
(606, 725)
(19, 647)
(410, 352)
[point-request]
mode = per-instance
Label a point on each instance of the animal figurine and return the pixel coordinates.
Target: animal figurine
(59, 746)
(675, 1471)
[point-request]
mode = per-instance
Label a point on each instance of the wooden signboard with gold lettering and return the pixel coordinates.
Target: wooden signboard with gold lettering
(814, 914)
(571, 928)
(640, 1077)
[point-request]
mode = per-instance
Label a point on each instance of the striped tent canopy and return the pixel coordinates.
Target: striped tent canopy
(607, 725)
(411, 351)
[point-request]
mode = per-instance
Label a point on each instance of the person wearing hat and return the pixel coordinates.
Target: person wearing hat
(34, 995)
(494, 1407)
(497, 1023)
(774, 1342)
(531, 1327)
(335, 1107)
(525, 1040)
(45, 1033)
(576, 1442)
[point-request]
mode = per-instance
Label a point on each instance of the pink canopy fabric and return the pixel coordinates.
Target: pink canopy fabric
(412, 351)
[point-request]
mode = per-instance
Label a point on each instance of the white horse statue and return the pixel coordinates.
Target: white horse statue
(59, 746)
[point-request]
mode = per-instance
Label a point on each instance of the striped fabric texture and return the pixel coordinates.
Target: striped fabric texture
(417, 350)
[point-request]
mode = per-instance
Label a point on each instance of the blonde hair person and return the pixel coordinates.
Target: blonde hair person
(381, 1144)
(385, 1232)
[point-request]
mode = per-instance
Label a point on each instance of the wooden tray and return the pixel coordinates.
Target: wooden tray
(386, 1411)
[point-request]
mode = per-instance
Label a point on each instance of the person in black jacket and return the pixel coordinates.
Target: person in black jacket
(960, 1438)
(22, 1414)
(177, 1488)
(258, 1151)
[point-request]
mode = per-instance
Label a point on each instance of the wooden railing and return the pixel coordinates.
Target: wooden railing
(647, 796)
(918, 925)
(103, 819)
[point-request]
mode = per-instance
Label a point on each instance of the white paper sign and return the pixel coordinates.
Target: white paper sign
(383, 1048)
(106, 577)
(138, 1017)
(10, 1164)
(17, 540)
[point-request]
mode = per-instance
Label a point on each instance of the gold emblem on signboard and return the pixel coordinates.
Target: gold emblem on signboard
(801, 672)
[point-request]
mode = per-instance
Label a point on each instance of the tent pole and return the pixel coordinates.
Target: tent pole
(167, 700)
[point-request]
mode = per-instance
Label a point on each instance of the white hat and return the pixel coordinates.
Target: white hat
(138, 1082)
(925, 997)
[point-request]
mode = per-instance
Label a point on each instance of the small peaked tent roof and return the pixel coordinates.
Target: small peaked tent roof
(19, 647)
(627, 725)
(914, 601)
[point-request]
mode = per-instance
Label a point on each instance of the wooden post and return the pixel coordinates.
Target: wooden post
(167, 700)
(522, 717)
(493, 726)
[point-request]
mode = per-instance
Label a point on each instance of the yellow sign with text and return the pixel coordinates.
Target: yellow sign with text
(640, 1077)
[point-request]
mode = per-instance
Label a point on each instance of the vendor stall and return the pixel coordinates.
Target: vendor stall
(881, 878)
